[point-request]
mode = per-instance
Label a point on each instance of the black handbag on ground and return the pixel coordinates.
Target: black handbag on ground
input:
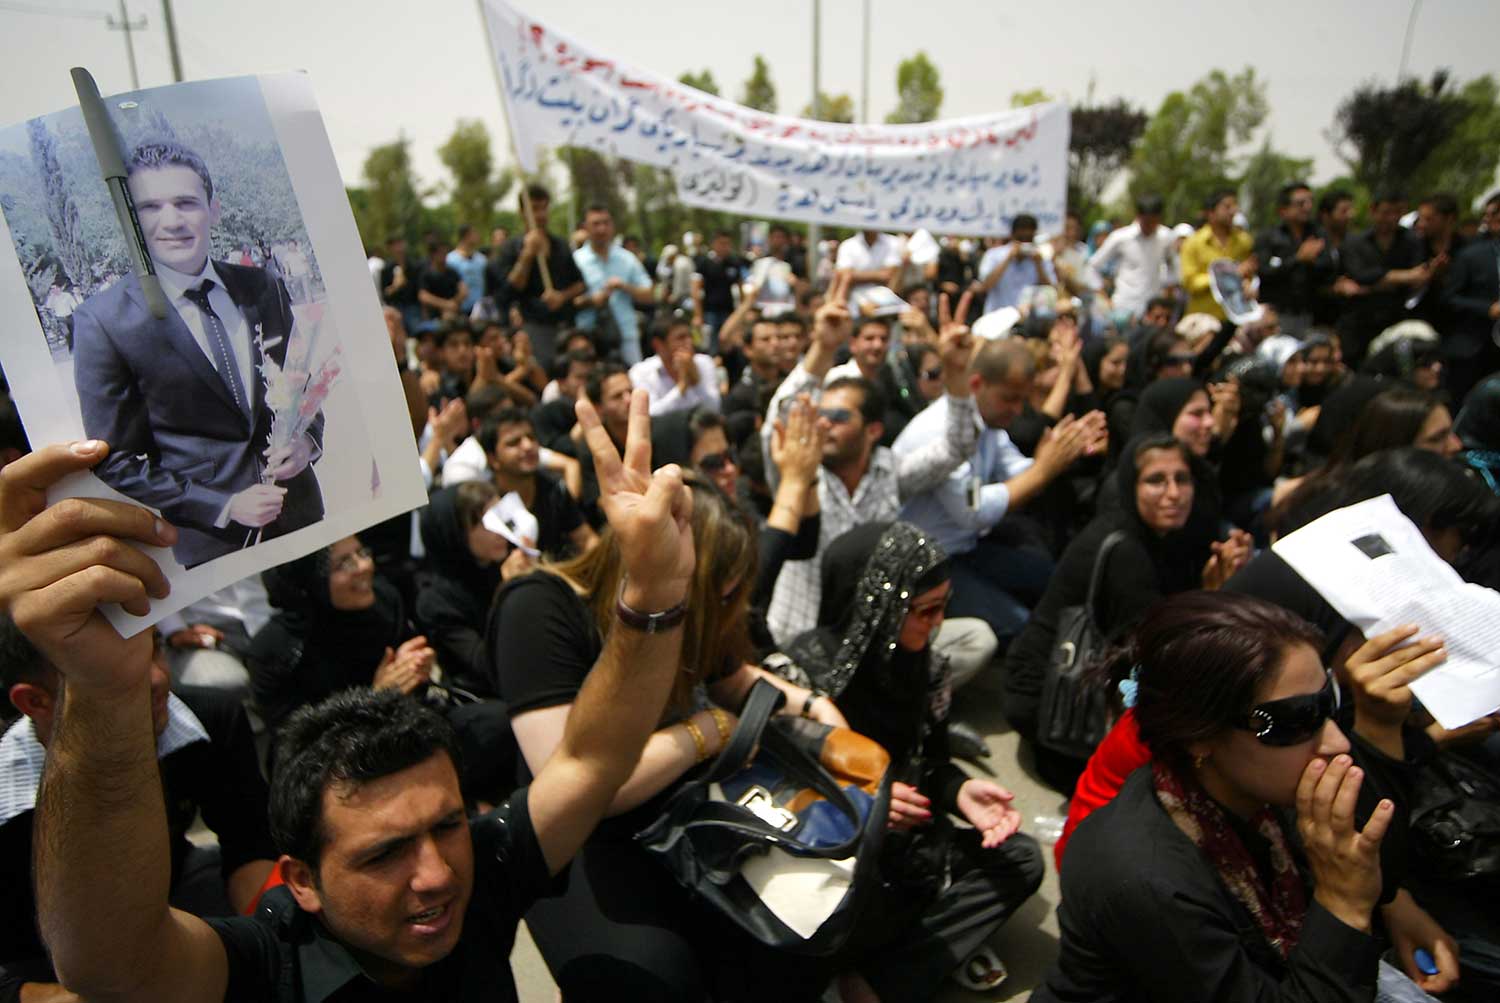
(1074, 713)
(1455, 820)
(782, 833)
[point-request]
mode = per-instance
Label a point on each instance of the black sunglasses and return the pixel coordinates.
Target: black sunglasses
(933, 373)
(836, 415)
(714, 462)
(1180, 360)
(1292, 720)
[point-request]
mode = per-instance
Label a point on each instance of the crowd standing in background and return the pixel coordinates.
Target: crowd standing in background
(868, 479)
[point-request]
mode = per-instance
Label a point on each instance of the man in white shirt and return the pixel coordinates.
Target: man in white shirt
(1006, 270)
(870, 258)
(1137, 257)
(676, 377)
(992, 575)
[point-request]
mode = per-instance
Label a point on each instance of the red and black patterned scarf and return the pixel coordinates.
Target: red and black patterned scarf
(1277, 910)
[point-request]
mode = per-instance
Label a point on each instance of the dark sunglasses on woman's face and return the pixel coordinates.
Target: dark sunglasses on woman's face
(1292, 720)
(714, 462)
(933, 373)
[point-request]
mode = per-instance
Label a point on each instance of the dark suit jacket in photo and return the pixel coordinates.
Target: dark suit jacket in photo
(178, 442)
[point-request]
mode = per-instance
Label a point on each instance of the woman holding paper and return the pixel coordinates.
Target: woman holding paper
(1244, 862)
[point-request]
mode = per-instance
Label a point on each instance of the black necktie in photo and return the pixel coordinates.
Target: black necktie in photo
(218, 339)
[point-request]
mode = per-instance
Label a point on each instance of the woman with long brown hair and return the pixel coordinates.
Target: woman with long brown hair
(622, 928)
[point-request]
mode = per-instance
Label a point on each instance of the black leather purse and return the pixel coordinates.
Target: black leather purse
(782, 833)
(1455, 820)
(1074, 714)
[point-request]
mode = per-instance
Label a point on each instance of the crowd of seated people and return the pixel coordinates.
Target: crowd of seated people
(868, 509)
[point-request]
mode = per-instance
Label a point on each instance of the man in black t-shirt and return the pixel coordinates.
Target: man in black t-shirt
(721, 270)
(515, 278)
(442, 291)
(392, 892)
(400, 278)
(509, 441)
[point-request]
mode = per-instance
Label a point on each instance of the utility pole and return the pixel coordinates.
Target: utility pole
(814, 232)
(171, 28)
(864, 71)
(127, 26)
(1411, 23)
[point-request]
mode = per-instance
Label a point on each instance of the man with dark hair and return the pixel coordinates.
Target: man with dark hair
(515, 278)
(1472, 296)
(1390, 264)
(721, 271)
(762, 373)
(995, 574)
(400, 279)
(1332, 285)
(779, 246)
(442, 291)
(510, 444)
(180, 398)
(454, 343)
(1217, 238)
(860, 480)
(206, 756)
(391, 889)
(469, 263)
(1437, 227)
(617, 282)
(1006, 271)
(676, 377)
(1288, 254)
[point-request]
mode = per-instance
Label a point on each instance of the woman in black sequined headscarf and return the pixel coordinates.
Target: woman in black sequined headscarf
(885, 586)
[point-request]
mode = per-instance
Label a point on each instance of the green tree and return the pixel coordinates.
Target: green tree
(759, 92)
(593, 178)
(393, 208)
(1100, 140)
(1265, 173)
(704, 81)
(831, 108)
(476, 185)
(1188, 147)
(1020, 99)
(919, 89)
(1465, 162)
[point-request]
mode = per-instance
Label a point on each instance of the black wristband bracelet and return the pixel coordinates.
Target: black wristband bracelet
(648, 623)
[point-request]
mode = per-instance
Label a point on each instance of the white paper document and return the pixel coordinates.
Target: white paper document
(513, 520)
(1372, 565)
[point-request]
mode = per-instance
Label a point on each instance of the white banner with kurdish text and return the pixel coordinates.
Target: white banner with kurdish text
(959, 176)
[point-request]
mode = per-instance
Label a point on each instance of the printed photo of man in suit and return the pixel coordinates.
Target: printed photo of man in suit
(180, 400)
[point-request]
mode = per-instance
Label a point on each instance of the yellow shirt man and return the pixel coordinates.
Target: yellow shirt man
(1199, 251)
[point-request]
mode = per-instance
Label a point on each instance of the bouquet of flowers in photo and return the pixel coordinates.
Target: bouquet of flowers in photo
(295, 389)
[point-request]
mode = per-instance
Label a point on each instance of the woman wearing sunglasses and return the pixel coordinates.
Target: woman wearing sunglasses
(1244, 861)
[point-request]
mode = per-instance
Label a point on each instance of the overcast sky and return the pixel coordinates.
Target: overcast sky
(383, 67)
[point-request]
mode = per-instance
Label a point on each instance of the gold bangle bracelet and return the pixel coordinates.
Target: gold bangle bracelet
(721, 722)
(697, 735)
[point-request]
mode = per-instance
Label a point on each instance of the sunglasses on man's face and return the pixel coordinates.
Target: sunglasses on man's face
(835, 415)
(1293, 720)
(712, 463)
(933, 373)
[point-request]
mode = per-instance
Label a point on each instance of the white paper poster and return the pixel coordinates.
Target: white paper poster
(263, 415)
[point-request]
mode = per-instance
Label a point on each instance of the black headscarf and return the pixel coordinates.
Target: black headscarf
(1178, 557)
(1093, 357)
(1161, 403)
(1340, 410)
(448, 555)
(870, 575)
(330, 648)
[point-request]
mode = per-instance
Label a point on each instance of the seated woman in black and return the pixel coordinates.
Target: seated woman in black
(1166, 545)
(338, 624)
(1244, 862)
(624, 929)
(885, 587)
(465, 565)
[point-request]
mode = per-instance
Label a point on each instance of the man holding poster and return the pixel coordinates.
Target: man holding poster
(180, 399)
